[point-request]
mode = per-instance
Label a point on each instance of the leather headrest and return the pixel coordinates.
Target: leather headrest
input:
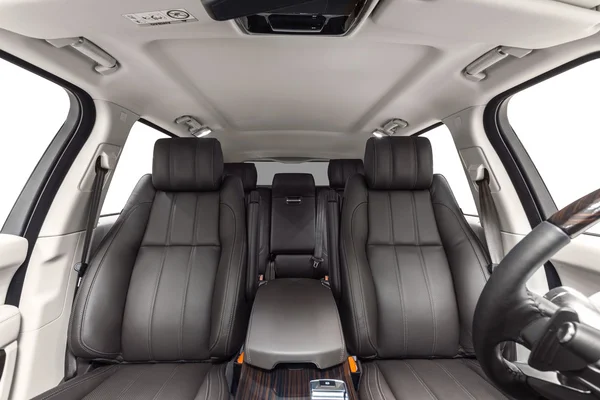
(340, 171)
(245, 171)
(293, 185)
(187, 165)
(399, 163)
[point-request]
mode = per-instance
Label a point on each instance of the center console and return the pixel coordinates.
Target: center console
(295, 345)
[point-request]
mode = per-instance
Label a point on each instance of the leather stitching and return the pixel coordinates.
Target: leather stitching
(131, 383)
(416, 162)
(378, 375)
(153, 303)
(460, 385)
(425, 386)
(398, 277)
(369, 373)
(184, 298)
(425, 271)
(79, 339)
(167, 381)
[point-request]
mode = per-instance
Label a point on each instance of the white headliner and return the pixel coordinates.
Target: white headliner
(290, 96)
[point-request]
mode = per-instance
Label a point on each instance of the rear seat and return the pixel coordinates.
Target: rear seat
(340, 171)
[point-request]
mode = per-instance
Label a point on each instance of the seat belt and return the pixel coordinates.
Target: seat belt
(253, 240)
(317, 258)
(490, 221)
(96, 194)
(333, 240)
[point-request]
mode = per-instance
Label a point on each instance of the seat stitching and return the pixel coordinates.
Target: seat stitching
(167, 381)
(391, 163)
(378, 381)
(80, 339)
(208, 382)
(370, 391)
(77, 383)
(455, 380)
(416, 162)
(425, 271)
(184, 298)
(127, 387)
(360, 282)
(474, 364)
(153, 303)
(425, 386)
(398, 277)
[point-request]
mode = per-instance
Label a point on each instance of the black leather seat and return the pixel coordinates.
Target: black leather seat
(412, 272)
(162, 305)
(248, 174)
(339, 171)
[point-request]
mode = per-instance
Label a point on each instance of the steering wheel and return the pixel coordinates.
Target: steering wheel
(561, 328)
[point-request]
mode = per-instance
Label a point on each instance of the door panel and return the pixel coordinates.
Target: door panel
(13, 251)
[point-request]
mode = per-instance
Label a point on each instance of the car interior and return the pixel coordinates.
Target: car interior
(299, 199)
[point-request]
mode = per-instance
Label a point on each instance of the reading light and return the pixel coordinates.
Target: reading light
(194, 126)
(204, 131)
(378, 133)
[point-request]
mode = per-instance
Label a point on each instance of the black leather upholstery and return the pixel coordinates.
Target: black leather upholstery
(187, 165)
(167, 284)
(399, 163)
(339, 171)
(246, 172)
(426, 379)
(412, 271)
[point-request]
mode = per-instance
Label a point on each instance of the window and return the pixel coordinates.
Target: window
(446, 161)
(267, 170)
(32, 111)
(557, 123)
(135, 161)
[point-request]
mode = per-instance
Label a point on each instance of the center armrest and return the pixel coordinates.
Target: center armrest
(294, 321)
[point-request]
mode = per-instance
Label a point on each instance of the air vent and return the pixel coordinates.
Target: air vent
(318, 17)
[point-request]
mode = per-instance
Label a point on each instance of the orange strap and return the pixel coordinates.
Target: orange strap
(240, 359)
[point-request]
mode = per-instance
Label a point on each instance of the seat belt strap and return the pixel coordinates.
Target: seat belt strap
(96, 194)
(317, 258)
(490, 220)
(253, 239)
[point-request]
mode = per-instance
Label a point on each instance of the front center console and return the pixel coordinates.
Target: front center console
(295, 345)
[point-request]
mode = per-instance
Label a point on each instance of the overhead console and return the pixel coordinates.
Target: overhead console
(297, 17)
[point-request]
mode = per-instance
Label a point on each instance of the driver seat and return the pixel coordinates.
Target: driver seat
(412, 272)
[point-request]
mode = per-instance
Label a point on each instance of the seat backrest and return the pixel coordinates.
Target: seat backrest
(412, 269)
(339, 171)
(167, 283)
(248, 174)
(293, 225)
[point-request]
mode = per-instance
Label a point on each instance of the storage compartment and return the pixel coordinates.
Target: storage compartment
(294, 321)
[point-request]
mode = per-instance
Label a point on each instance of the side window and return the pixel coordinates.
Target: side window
(446, 161)
(557, 123)
(32, 111)
(135, 161)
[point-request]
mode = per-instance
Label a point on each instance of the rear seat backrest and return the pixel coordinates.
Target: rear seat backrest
(340, 171)
(293, 218)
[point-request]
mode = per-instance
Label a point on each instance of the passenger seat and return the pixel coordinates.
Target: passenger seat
(162, 308)
(341, 170)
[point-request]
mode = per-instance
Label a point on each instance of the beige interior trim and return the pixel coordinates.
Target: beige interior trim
(13, 251)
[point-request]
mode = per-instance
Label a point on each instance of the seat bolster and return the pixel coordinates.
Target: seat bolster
(215, 385)
(466, 255)
(358, 307)
(96, 320)
(373, 385)
(230, 310)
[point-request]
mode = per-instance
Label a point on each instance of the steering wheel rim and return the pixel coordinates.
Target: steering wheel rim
(506, 310)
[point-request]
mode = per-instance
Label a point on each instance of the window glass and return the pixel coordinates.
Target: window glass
(267, 170)
(557, 123)
(32, 111)
(135, 161)
(446, 161)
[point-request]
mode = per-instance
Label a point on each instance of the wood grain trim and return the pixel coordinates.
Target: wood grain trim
(578, 216)
(285, 383)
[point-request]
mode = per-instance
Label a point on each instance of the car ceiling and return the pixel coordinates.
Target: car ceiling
(300, 96)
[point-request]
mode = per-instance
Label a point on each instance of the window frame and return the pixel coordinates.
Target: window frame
(31, 207)
(524, 175)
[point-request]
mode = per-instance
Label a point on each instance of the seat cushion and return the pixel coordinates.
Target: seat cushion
(426, 379)
(145, 381)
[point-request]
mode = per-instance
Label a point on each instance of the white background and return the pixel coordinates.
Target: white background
(558, 122)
